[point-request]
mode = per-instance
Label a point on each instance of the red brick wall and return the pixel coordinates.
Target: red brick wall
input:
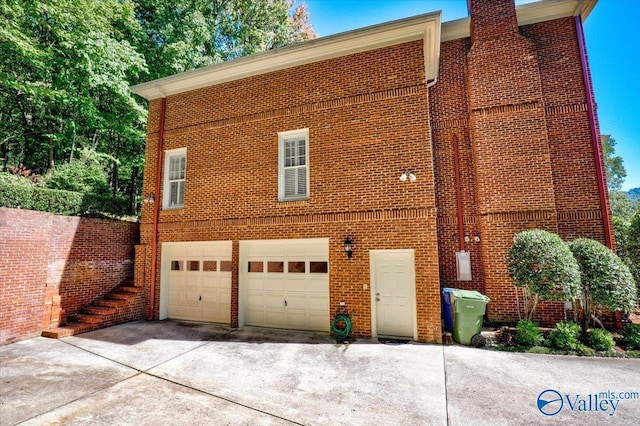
(511, 96)
(367, 116)
(516, 102)
(53, 265)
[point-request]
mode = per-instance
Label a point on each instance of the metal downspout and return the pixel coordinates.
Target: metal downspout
(156, 209)
(595, 138)
(456, 172)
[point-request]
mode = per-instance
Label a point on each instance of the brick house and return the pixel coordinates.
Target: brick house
(421, 146)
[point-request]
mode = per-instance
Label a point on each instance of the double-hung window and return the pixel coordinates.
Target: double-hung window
(293, 165)
(175, 170)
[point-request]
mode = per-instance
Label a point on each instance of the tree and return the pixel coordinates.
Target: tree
(606, 280)
(66, 67)
(628, 245)
(187, 34)
(543, 266)
(616, 173)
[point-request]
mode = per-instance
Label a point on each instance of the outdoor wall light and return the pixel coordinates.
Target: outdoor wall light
(408, 174)
(348, 247)
(149, 199)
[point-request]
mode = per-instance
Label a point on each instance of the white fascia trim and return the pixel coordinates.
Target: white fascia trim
(529, 13)
(423, 27)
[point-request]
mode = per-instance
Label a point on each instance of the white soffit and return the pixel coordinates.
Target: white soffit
(422, 27)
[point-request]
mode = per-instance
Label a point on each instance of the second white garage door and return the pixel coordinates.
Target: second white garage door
(285, 283)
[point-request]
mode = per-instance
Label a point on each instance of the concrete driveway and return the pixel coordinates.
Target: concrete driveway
(169, 372)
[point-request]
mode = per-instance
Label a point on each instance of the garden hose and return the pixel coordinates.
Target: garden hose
(341, 333)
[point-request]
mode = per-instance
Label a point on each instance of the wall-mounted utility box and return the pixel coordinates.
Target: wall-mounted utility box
(463, 265)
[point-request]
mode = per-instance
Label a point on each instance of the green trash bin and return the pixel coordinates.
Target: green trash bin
(468, 309)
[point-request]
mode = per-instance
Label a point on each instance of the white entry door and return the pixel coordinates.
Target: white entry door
(393, 293)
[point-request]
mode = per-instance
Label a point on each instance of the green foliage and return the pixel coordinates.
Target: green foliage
(631, 336)
(86, 174)
(614, 167)
(66, 67)
(601, 340)
(565, 336)
(621, 206)
(632, 249)
(22, 194)
(528, 333)
(541, 263)
(606, 280)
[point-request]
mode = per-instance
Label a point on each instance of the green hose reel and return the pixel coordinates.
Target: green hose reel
(341, 333)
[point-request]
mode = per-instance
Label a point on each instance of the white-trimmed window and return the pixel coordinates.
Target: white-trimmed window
(293, 165)
(175, 170)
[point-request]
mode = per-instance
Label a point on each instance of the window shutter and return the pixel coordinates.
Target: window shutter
(302, 181)
(289, 182)
(293, 168)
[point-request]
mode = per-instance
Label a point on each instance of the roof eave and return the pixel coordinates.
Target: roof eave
(425, 27)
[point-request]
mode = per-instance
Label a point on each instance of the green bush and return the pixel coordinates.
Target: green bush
(631, 336)
(606, 280)
(565, 336)
(29, 197)
(541, 263)
(601, 340)
(528, 333)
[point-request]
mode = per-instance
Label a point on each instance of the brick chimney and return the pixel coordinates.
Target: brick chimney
(509, 141)
(492, 19)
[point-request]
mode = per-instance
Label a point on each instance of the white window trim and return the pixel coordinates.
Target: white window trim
(281, 181)
(166, 191)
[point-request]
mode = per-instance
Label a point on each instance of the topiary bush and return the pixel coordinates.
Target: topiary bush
(528, 333)
(631, 337)
(542, 264)
(606, 280)
(601, 340)
(565, 336)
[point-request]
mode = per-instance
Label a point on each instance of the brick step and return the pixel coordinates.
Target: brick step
(125, 288)
(87, 318)
(97, 314)
(112, 303)
(99, 310)
(120, 295)
(67, 330)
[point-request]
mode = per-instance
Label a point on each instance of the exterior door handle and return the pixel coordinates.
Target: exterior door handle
(285, 303)
(200, 298)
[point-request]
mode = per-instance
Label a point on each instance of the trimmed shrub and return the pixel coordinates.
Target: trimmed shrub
(631, 336)
(528, 333)
(20, 193)
(601, 340)
(565, 336)
(542, 264)
(606, 280)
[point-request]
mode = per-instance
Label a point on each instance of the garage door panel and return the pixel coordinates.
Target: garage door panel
(285, 275)
(195, 288)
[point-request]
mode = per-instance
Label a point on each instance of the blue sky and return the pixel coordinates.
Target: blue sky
(612, 35)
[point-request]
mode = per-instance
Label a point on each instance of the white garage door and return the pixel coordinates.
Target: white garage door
(285, 283)
(196, 281)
